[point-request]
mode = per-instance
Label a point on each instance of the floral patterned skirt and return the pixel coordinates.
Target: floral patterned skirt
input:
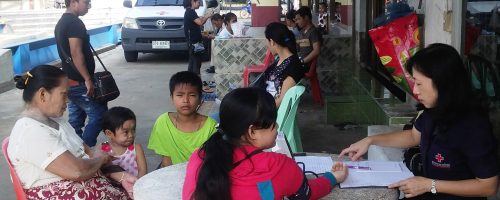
(97, 187)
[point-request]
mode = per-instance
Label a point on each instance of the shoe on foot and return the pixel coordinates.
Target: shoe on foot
(208, 89)
(211, 84)
(211, 69)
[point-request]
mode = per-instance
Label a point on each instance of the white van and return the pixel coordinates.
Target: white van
(154, 26)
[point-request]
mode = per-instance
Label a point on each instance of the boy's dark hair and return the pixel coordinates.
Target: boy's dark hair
(114, 118)
(290, 15)
(185, 77)
(216, 16)
(304, 11)
(239, 109)
(323, 4)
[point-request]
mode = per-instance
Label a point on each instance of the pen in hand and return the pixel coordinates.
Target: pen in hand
(358, 167)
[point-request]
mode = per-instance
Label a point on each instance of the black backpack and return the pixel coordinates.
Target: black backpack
(413, 160)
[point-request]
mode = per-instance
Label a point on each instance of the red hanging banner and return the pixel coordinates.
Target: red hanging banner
(395, 43)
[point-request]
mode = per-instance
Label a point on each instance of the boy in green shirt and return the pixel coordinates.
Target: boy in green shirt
(175, 135)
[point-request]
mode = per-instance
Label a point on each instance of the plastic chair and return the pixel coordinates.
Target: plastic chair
(484, 76)
(268, 59)
(287, 117)
(18, 188)
(315, 87)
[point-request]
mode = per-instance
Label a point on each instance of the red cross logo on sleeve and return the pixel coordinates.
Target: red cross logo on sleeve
(439, 157)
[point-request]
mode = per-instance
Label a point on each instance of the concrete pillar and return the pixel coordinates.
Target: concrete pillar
(304, 3)
(444, 22)
(435, 14)
(265, 12)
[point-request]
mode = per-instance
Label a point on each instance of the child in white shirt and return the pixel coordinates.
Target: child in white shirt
(323, 18)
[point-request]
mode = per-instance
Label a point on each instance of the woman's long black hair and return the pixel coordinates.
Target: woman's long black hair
(239, 109)
(280, 34)
(443, 64)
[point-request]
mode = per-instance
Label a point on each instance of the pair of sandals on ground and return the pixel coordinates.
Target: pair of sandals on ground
(208, 86)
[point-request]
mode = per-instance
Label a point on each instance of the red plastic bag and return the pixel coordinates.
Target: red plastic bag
(395, 43)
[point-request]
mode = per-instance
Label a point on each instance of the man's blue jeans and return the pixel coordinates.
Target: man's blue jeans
(80, 107)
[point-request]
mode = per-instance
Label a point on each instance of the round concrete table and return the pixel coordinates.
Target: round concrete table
(166, 183)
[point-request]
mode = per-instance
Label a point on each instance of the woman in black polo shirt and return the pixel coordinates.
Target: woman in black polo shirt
(453, 131)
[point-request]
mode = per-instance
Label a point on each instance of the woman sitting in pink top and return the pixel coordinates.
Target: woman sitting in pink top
(232, 165)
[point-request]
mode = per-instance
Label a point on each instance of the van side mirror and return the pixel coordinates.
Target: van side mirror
(212, 4)
(127, 3)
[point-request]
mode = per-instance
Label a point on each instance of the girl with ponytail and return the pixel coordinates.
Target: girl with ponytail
(228, 19)
(288, 69)
(232, 165)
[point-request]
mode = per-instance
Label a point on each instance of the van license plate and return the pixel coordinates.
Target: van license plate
(161, 44)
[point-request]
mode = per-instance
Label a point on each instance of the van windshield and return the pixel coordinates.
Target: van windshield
(159, 3)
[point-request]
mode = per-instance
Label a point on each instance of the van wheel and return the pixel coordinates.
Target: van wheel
(131, 56)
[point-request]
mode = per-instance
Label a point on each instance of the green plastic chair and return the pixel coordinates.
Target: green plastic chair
(484, 76)
(287, 117)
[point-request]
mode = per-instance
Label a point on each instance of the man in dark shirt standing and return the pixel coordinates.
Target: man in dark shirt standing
(192, 31)
(309, 40)
(73, 45)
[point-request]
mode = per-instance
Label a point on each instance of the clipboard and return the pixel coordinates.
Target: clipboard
(380, 174)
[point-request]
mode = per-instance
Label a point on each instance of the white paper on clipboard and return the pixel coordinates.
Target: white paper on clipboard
(380, 174)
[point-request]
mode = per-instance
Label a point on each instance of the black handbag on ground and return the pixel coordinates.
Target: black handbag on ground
(105, 88)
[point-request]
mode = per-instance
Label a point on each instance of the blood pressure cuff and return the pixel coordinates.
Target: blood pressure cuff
(111, 169)
(107, 170)
(303, 193)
